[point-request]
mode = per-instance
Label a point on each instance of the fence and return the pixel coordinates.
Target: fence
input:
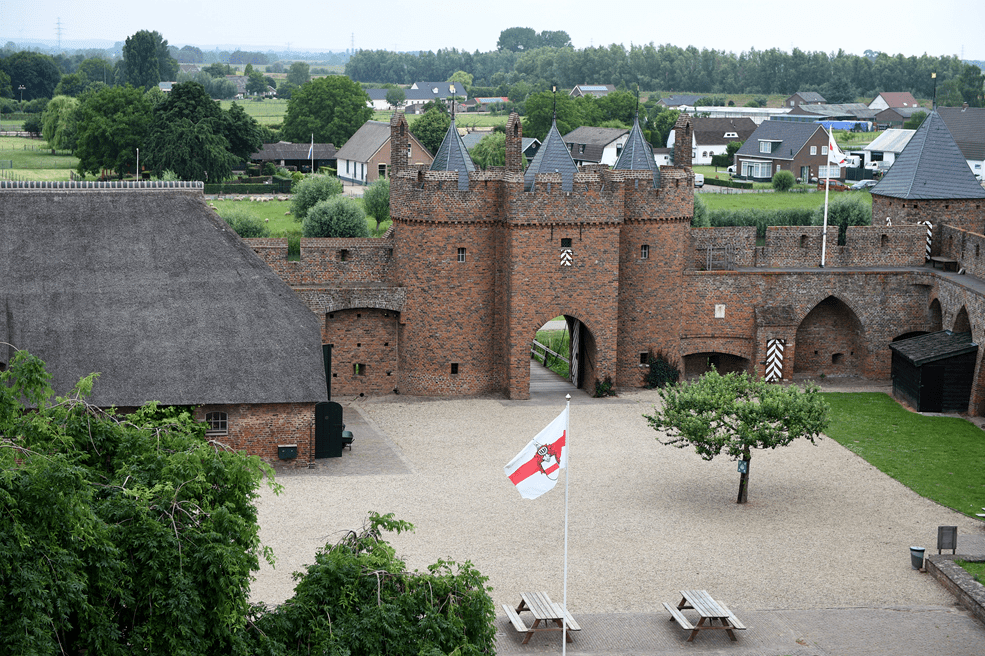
(275, 187)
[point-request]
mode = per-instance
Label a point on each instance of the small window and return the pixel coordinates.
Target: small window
(381, 170)
(644, 357)
(358, 370)
(582, 150)
(813, 150)
(824, 150)
(343, 255)
(217, 423)
(765, 147)
(645, 252)
(803, 241)
(461, 254)
(837, 358)
(566, 242)
(454, 368)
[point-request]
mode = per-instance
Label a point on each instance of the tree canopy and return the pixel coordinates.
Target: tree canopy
(59, 122)
(338, 216)
(430, 128)
(312, 190)
(540, 111)
(376, 199)
(735, 413)
(299, 73)
(147, 60)
(113, 123)
(330, 108)
(37, 73)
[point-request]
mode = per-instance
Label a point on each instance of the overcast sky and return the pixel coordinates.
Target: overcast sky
(941, 27)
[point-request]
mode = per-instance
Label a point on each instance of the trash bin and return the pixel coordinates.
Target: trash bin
(916, 557)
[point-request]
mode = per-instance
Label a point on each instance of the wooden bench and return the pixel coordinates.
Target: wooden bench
(676, 614)
(732, 619)
(945, 263)
(515, 619)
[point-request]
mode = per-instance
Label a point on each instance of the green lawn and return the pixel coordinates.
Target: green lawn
(940, 458)
(273, 213)
(774, 201)
(267, 112)
(557, 341)
(31, 159)
(977, 570)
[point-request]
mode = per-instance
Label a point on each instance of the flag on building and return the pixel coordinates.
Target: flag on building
(535, 470)
(311, 149)
(835, 156)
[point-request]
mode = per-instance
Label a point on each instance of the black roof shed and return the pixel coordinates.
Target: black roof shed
(935, 372)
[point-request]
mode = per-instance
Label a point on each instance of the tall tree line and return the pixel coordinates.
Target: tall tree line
(667, 67)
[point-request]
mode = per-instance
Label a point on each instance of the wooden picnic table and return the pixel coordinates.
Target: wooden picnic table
(544, 611)
(708, 609)
(946, 263)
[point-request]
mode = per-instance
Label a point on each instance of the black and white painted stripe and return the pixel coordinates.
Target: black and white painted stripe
(774, 359)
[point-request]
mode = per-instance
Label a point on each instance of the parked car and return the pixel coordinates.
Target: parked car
(731, 170)
(862, 185)
(835, 185)
(699, 180)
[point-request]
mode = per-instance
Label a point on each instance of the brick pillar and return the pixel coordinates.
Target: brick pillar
(683, 141)
(514, 144)
(399, 139)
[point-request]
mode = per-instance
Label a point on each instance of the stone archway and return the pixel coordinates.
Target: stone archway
(696, 364)
(580, 348)
(936, 316)
(961, 322)
(830, 341)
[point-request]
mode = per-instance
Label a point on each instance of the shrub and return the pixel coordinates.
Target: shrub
(848, 209)
(268, 168)
(662, 371)
(310, 191)
(32, 125)
(700, 219)
(245, 224)
(604, 388)
(336, 217)
(761, 218)
(783, 180)
(377, 202)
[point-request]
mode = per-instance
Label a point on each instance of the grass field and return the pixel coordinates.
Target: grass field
(557, 341)
(274, 214)
(775, 201)
(31, 159)
(977, 570)
(940, 458)
(267, 112)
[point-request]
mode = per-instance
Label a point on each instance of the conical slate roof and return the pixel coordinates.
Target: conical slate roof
(637, 155)
(930, 167)
(552, 156)
(452, 155)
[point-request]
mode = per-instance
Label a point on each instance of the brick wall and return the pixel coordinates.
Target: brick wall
(340, 261)
(258, 429)
(968, 248)
(741, 239)
(800, 246)
(965, 214)
(364, 350)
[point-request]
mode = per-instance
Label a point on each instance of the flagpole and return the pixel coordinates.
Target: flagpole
(311, 153)
(567, 480)
(827, 186)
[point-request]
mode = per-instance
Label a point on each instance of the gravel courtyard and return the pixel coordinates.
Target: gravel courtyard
(822, 529)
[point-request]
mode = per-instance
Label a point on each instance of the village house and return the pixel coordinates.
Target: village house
(365, 156)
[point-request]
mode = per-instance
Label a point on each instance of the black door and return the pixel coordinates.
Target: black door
(328, 430)
(931, 388)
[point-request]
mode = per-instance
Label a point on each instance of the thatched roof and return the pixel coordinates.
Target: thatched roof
(150, 288)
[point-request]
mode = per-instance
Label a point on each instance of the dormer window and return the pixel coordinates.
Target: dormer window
(731, 135)
(765, 147)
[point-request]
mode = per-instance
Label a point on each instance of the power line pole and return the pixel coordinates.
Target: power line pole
(58, 31)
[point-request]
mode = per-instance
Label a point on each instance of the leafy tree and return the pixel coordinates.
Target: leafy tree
(147, 60)
(218, 69)
(554, 39)
(72, 85)
(701, 219)
(359, 598)
(336, 217)
(37, 73)
(189, 55)
(254, 82)
(330, 108)
(660, 124)
(464, 78)
(194, 151)
(59, 122)
(242, 132)
(6, 90)
(735, 413)
(783, 180)
(244, 223)
(539, 109)
(846, 209)
(972, 84)
(949, 94)
(299, 73)
(120, 534)
(286, 89)
(916, 120)
(395, 97)
(430, 128)
(113, 123)
(32, 125)
(248, 57)
(376, 200)
(312, 190)
(518, 39)
(491, 151)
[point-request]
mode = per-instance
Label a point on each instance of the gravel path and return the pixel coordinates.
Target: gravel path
(822, 529)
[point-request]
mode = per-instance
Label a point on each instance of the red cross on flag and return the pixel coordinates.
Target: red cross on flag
(535, 470)
(835, 156)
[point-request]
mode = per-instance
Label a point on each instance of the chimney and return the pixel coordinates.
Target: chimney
(399, 140)
(514, 144)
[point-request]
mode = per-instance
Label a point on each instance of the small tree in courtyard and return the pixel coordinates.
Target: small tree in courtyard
(376, 199)
(310, 191)
(336, 217)
(736, 413)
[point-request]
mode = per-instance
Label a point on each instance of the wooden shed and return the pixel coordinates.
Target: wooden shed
(934, 372)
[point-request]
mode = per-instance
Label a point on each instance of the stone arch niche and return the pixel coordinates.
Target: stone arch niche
(830, 341)
(696, 364)
(936, 316)
(961, 322)
(582, 352)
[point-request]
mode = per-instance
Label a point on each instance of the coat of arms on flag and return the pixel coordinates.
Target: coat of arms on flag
(535, 470)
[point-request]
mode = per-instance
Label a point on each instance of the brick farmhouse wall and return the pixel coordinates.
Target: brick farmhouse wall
(259, 428)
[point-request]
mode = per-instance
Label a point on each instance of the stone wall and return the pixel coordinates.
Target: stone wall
(956, 580)
(258, 429)
(340, 261)
(965, 214)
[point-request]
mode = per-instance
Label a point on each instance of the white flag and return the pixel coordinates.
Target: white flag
(311, 149)
(535, 470)
(835, 156)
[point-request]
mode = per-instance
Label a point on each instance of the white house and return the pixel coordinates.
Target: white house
(591, 145)
(711, 136)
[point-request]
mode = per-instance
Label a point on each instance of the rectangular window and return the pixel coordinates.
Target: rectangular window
(358, 370)
(347, 166)
(461, 254)
(756, 169)
(381, 171)
(824, 150)
(454, 368)
(765, 147)
(813, 150)
(644, 357)
(566, 242)
(644, 252)
(217, 423)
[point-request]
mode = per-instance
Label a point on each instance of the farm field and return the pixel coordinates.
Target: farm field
(22, 158)
(266, 112)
